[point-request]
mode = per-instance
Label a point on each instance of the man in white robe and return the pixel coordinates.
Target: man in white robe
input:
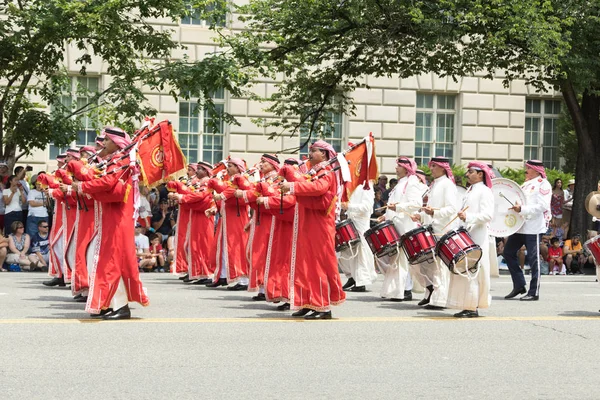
(468, 293)
(405, 199)
(439, 213)
(357, 262)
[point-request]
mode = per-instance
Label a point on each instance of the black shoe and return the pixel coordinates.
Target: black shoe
(102, 313)
(203, 281)
(319, 315)
(431, 307)
(81, 299)
(407, 295)
(529, 298)
(259, 297)
(122, 313)
(77, 296)
(515, 293)
(54, 282)
(467, 314)
(396, 299)
(183, 278)
(237, 287)
(349, 283)
(358, 289)
(426, 299)
(283, 307)
(219, 282)
(186, 279)
(301, 313)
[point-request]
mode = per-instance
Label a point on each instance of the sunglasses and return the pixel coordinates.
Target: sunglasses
(43, 226)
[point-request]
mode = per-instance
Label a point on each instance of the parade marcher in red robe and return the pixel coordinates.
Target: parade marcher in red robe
(115, 277)
(201, 227)
(262, 227)
(84, 230)
(57, 265)
(314, 270)
(182, 234)
(279, 251)
(231, 238)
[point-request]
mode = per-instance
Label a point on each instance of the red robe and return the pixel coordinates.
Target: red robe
(182, 242)
(230, 231)
(279, 251)
(84, 232)
(116, 255)
(261, 229)
(201, 234)
(314, 268)
(57, 259)
(69, 221)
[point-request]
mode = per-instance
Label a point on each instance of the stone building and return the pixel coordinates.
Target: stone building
(422, 116)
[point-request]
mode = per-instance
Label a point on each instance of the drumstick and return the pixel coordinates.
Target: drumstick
(454, 219)
(393, 204)
(504, 197)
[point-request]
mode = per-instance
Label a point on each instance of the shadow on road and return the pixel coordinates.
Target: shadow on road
(579, 314)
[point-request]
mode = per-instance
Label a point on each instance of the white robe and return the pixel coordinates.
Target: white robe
(470, 294)
(359, 262)
(407, 197)
(442, 196)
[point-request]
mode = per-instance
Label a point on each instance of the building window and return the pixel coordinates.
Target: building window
(79, 95)
(199, 138)
(541, 131)
(334, 134)
(193, 17)
(434, 134)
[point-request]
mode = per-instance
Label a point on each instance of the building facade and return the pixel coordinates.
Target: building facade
(422, 116)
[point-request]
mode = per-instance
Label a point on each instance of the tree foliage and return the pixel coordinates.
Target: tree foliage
(133, 48)
(325, 48)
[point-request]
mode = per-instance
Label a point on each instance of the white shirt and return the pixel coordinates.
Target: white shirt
(480, 200)
(360, 208)
(141, 242)
(145, 210)
(442, 196)
(407, 197)
(15, 203)
(536, 210)
(40, 211)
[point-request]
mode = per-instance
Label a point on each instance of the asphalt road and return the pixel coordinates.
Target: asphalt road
(193, 342)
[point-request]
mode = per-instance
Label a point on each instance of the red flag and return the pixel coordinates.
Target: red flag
(362, 167)
(160, 156)
(174, 160)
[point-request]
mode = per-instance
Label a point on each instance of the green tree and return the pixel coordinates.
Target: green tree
(324, 48)
(34, 35)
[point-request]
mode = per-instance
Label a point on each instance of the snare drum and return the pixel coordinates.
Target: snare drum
(458, 251)
(346, 235)
(419, 244)
(593, 245)
(383, 239)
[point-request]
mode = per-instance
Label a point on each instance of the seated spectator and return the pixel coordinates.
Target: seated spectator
(37, 209)
(145, 210)
(157, 252)
(555, 255)
(573, 255)
(163, 220)
(3, 252)
(590, 260)
(142, 245)
(18, 246)
(40, 247)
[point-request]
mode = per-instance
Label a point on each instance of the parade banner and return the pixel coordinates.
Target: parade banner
(160, 156)
(362, 163)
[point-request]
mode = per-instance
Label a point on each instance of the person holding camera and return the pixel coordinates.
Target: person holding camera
(163, 220)
(13, 197)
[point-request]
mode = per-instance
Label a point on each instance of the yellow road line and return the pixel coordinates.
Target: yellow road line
(292, 320)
